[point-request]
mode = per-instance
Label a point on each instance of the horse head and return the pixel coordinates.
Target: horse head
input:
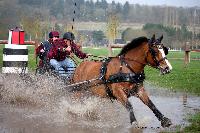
(156, 55)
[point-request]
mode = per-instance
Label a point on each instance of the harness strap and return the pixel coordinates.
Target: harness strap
(103, 71)
(122, 59)
(120, 76)
(126, 77)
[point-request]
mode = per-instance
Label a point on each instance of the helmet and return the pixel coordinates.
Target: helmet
(69, 36)
(53, 34)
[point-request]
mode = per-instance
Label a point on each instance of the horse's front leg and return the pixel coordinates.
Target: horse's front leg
(119, 93)
(129, 107)
(165, 122)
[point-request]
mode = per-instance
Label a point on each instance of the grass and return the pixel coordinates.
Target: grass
(182, 78)
(195, 124)
(31, 58)
(180, 54)
(194, 127)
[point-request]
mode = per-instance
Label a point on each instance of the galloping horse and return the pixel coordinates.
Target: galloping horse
(122, 76)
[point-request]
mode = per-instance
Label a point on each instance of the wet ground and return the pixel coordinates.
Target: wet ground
(31, 104)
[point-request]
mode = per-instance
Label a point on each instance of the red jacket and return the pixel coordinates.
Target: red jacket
(58, 51)
(77, 51)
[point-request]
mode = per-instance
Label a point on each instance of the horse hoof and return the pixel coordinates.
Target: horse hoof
(134, 124)
(132, 118)
(165, 122)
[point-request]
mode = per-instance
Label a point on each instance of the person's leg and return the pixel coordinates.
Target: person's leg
(69, 66)
(57, 65)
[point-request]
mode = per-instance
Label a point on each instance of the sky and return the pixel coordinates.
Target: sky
(177, 3)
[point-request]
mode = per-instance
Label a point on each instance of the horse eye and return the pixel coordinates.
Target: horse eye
(154, 45)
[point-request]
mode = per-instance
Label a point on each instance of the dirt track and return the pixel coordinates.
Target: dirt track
(38, 105)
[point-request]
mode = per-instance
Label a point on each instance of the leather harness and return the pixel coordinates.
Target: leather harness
(132, 77)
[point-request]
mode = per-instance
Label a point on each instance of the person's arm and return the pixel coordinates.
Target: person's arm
(39, 49)
(78, 52)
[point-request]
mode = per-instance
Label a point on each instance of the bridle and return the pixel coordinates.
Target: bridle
(154, 54)
(150, 51)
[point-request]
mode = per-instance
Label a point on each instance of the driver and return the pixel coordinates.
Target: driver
(59, 55)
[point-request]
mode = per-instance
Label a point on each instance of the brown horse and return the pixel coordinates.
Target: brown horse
(122, 76)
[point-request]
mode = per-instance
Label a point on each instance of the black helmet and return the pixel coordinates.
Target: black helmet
(69, 36)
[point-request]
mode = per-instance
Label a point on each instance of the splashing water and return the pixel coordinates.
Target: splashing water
(44, 97)
(28, 89)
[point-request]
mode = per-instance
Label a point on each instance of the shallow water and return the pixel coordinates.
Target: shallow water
(31, 104)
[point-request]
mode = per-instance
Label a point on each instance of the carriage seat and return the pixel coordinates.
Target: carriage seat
(45, 67)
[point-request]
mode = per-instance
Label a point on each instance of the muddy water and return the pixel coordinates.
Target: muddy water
(31, 104)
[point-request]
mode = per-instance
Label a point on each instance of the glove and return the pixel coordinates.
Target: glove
(42, 51)
(69, 49)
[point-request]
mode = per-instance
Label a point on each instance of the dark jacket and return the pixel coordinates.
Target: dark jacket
(46, 46)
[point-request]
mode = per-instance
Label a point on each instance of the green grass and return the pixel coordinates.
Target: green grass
(180, 54)
(182, 78)
(31, 58)
(96, 51)
(194, 126)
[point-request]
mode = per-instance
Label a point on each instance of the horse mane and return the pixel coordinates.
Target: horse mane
(133, 44)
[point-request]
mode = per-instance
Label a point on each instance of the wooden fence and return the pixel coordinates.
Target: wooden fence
(25, 42)
(187, 50)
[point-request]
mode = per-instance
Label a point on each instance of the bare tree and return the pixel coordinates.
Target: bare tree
(112, 25)
(32, 27)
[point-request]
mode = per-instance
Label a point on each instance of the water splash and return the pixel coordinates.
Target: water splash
(44, 97)
(30, 89)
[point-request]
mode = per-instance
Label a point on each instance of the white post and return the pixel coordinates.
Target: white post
(9, 37)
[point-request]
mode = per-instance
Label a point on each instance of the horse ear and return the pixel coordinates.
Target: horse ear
(160, 39)
(153, 38)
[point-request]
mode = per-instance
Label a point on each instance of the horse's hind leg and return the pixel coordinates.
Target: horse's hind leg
(165, 122)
